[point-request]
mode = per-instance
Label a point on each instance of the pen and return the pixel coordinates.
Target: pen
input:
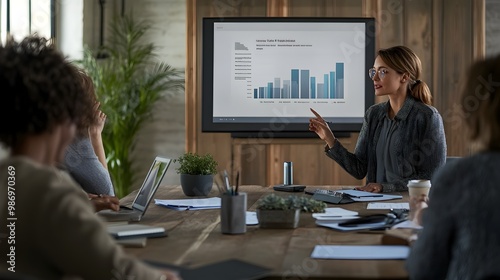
(226, 181)
(237, 182)
(332, 216)
(362, 196)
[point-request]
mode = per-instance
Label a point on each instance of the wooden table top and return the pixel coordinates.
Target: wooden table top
(195, 239)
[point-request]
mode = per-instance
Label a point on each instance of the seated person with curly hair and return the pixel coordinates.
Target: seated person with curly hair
(85, 159)
(57, 233)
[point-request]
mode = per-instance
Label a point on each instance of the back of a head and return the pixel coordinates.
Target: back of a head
(481, 102)
(404, 60)
(40, 89)
(89, 118)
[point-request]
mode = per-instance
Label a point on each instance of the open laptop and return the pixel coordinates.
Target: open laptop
(144, 196)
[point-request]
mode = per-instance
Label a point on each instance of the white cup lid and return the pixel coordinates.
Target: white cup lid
(419, 183)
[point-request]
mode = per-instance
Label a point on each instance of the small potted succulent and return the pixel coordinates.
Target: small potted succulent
(197, 173)
(275, 211)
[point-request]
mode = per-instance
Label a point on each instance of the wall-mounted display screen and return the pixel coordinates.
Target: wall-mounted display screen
(261, 76)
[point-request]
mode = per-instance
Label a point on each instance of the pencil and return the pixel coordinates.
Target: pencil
(237, 182)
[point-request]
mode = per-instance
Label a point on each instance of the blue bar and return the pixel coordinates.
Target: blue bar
(325, 85)
(255, 93)
(304, 84)
(276, 88)
(286, 89)
(261, 92)
(332, 85)
(321, 88)
(295, 83)
(339, 67)
(269, 90)
(313, 87)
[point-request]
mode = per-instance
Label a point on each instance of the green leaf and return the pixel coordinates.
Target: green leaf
(195, 164)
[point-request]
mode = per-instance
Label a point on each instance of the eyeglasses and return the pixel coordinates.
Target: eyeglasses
(381, 73)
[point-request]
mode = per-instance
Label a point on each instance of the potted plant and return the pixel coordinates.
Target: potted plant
(128, 80)
(275, 211)
(197, 173)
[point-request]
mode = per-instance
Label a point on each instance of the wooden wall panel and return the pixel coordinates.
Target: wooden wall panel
(418, 34)
(250, 158)
(325, 8)
(455, 55)
(277, 8)
(390, 23)
(311, 165)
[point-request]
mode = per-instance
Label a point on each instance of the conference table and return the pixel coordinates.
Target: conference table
(195, 239)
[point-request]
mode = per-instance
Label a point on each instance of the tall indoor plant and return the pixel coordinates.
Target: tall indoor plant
(128, 82)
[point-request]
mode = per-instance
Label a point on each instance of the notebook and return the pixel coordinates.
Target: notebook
(135, 230)
(144, 195)
(232, 269)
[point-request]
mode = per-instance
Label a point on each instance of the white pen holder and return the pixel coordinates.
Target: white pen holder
(233, 213)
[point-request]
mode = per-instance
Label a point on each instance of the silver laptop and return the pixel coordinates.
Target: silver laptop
(144, 195)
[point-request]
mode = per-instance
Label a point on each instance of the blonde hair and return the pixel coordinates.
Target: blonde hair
(481, 102)
(403, 60)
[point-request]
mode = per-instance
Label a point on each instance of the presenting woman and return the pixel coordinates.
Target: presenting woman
(401, 139)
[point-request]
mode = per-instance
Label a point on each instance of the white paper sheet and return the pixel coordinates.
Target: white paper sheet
(335, 225)
(407, 224)
(380, 198)
(359, 194)
(360, 252)
(388, 205)
(190, 204)
(251, 218)
(362, 196)
(336, 214)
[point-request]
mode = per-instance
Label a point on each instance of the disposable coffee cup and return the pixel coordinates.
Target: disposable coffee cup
(418, 190)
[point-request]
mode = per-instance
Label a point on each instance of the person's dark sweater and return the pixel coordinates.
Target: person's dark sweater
(460, 238)
(417, 148)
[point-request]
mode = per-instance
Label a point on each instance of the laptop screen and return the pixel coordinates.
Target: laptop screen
(151, 183)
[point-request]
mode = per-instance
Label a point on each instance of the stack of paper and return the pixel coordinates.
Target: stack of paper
(360, 252)
(251, 218)
(387, 205)
(361, 226)
(335, 214)
(190, 204)
(362, 196)
(135, 230)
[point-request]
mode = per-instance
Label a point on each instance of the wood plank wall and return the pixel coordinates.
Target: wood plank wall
(447, 35)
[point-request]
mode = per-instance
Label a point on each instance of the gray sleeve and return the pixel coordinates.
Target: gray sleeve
(432, 148)
(83, 165)
(355, 163)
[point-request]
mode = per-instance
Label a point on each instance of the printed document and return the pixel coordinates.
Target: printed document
(386, 205)
(190, 204)
(360, 252)
(337, 214)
